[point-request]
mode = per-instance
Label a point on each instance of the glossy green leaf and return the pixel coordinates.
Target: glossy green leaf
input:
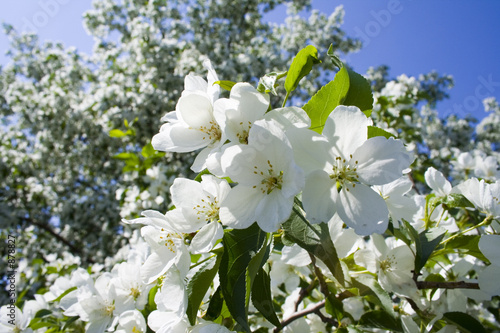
(198, 286)
(425, 243)
(467, 244)
(226, 85)
(300, 67)
(327, 99)
(116, 133)
(334, 307)
(214, 306)
(368, 285)
(315, 239)
(262, 298)
(240, 247)
(375, 131)
(380, 319)
(360, 93)
(464, 322)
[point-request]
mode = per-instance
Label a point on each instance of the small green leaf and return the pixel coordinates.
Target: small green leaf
(116, 133)
(368, 285)
(468, 244)
(64, 294)
(425, 243)
(334, 307)
(464, 322)
(262, 298)
(335, 60)
(315, 239)
(454, 200)
(300, 67)
(203, 172)
(267, 83)
(226, 85)
(42, 313)
(380, 319)
(214, 306)
(148, 150)
(198, 285)
(375, 131)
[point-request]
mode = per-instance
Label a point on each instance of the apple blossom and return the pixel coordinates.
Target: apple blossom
(347, 163)
(267, 176)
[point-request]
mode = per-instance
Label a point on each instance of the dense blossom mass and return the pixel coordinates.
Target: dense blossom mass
(360, 211)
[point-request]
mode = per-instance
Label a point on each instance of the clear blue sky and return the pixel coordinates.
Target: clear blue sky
(456, 37)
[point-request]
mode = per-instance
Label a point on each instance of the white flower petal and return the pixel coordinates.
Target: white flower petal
(319, 196)
(179, 138)
(488, 280)
(490, 247)
(237, 210)
(380, 160)
(346, 128)
(273, 210)
(437, 182)
(195, 110)
(206, 238)
(363, 209)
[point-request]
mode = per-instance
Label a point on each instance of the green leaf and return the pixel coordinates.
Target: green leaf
(360, 93)
(454, 200)
(327, 99)
(335, 60)
(425, 243)
(315, 239)
(300, 67)
(64, 294)
(334, 307)
(368, 285)
(240, 247)
(262, 298)
(42, 313)
(380, 319)
(468, 244)
(267, 83)
(375, 131)
(148, 150)
(226, 85)
(203, 172)
(214, 306)
(198, 285)
(464, 322)
(116, 133)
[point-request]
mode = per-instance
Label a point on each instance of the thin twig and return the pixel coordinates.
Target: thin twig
(447, 285)
(300, 314)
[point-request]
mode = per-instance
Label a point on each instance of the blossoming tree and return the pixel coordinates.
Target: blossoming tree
(339, 214)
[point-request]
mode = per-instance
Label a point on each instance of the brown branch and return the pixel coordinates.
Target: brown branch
(447, 285)
(60, 238)
(300, 314)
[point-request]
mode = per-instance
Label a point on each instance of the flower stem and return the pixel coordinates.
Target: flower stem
(486, 221)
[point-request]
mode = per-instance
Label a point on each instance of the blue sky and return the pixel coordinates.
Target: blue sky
(454, 37)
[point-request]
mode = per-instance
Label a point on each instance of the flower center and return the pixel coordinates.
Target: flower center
(344, 173)
(134, 292)
(208, 210)
(167, 240)
(213, 132)
(270, 179)
(386, 264)
(242, 135)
